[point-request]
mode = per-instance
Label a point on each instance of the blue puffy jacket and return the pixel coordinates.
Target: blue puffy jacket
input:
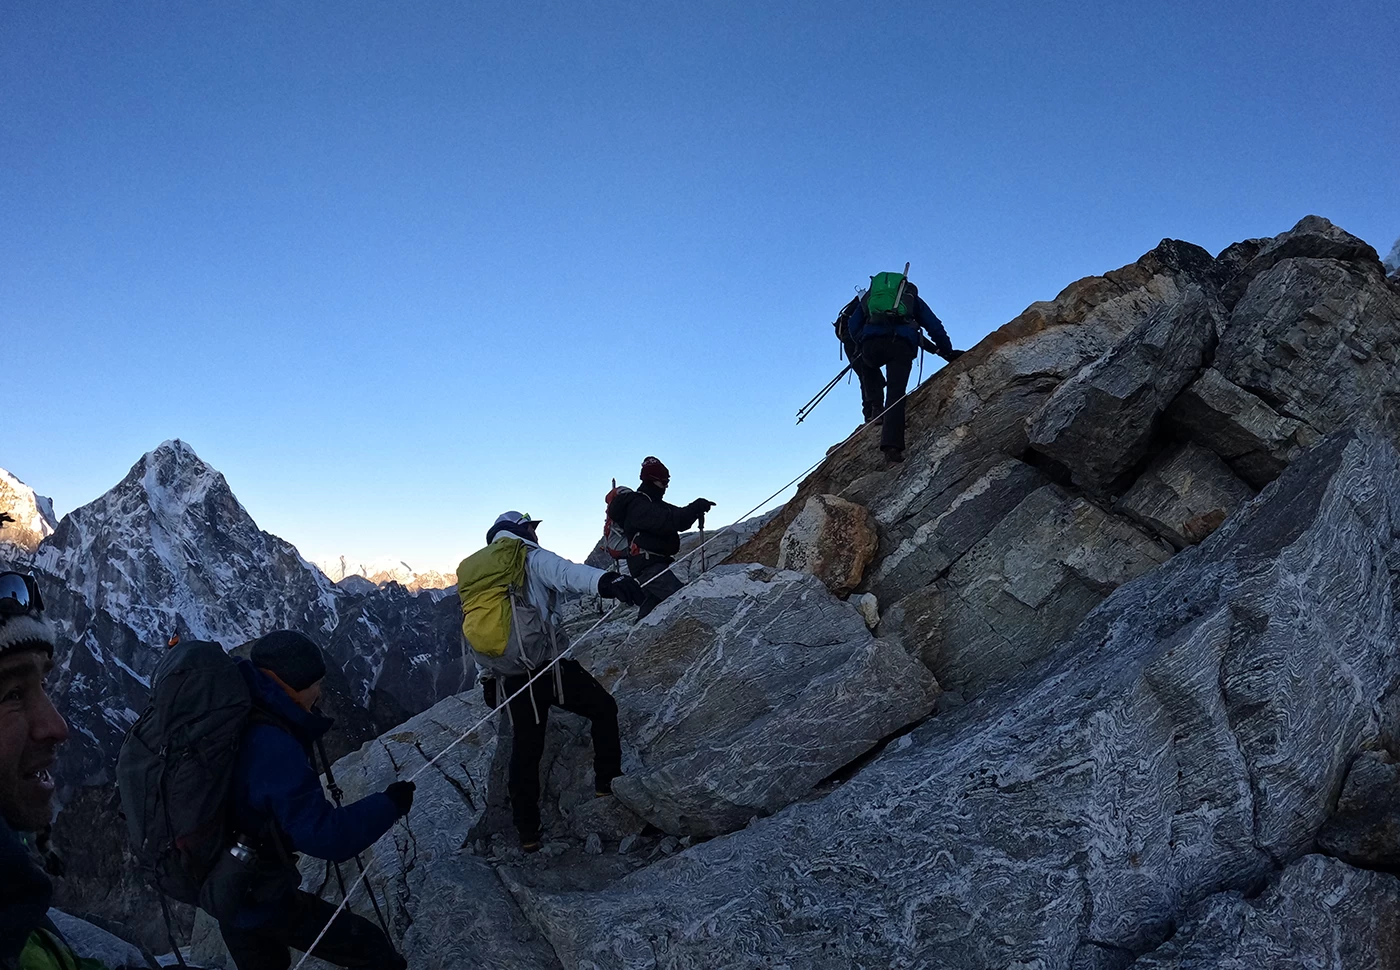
(274, 781)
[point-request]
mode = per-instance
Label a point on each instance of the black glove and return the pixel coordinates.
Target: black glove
(488, 692)
(615, 586)
(951, 355)
(401, 794)
(701, 506)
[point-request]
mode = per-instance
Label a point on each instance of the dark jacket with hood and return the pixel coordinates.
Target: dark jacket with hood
(25, 892)
(277, 798)
(653, 524)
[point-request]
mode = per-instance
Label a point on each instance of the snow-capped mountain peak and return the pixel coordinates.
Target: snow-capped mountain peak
(30, 517)
(381, 571)
(170, 549)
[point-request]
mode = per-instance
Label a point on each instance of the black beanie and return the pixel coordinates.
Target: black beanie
(292, 657)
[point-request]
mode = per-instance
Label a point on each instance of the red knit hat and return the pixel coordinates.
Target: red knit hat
(654, 471)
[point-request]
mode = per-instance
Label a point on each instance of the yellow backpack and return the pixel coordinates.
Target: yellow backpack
(508, 635)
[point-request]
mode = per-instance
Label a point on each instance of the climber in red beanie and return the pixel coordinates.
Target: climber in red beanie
(654, 527)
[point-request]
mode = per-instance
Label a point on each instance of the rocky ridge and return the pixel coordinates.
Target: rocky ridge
(1144, 541)
(1131, 697)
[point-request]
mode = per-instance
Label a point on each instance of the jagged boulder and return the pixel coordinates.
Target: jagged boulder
(1185, 495)
(1187, 740)
(833, 539)
(1254, 439)
(1317, 337)
(1099, 424)
(1022, 589)
(1365, 831)
(1312, 238)
(960, 519)
(1318, 913)
(743, 691)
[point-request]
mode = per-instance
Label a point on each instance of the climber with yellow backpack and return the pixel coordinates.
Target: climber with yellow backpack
(510, 593)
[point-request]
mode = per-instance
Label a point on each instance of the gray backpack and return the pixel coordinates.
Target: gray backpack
(176, 767)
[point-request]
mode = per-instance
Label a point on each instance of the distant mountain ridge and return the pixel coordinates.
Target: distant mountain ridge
(382, 571)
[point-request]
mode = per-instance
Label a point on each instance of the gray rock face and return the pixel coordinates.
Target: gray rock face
(1256, 441)
(953, 526)
(1365, 831)
(1023, 588)
(1070, 818)
(1185, 495)
(743, 691)
(1312, 238)
(832, 539)
(1317, 340)
(1100, 423)
(446, 906)
(1319, 913)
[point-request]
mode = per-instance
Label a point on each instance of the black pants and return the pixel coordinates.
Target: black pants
(897, 357)
(583, 696)
(872, 383)
(658, 582)
(352, 941)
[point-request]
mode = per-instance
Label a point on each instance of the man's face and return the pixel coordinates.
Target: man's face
(31, 730)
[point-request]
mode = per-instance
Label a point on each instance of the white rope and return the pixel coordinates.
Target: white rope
(603, 619)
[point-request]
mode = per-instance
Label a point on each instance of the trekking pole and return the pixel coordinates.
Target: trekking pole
(899, 293)
(338, 795)
(810, 405)
(703, 567)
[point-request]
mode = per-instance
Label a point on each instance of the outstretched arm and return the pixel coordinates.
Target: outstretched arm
(929, 321)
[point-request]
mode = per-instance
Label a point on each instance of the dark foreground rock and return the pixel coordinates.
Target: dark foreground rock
(1319, 913)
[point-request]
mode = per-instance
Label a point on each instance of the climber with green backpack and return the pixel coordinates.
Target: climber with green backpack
(510, 593)
(884, 328)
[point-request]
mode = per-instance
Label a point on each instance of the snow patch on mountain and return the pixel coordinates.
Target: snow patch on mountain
(1392, 262)
(29, 518)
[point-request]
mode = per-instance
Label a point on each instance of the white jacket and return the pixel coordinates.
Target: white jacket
(547, 575)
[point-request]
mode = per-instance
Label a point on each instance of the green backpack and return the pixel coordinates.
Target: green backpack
(884, 298)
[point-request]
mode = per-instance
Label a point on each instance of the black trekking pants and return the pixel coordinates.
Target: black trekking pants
(352, 941)
(872, 384)
(658, 582)
(896, 356)
(583, 696)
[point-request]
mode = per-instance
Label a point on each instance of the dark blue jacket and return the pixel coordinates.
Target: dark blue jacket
(274, 781)
(859, 327)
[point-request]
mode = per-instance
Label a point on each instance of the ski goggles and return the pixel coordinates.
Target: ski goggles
(19, 595)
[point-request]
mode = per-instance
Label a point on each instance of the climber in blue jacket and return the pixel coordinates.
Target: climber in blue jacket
(278, 809)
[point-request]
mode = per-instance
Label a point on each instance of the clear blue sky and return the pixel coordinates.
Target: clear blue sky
(396, 267)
